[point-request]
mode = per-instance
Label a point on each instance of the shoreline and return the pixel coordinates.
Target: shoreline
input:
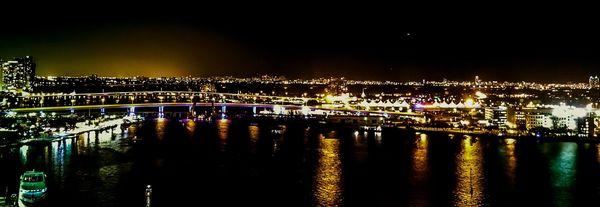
(102, 126)
(493, 136)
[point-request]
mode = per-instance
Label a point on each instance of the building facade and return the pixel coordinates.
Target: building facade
(586, 127)
(18, 74)
(594, 82)
(538, 120)
(496, 116)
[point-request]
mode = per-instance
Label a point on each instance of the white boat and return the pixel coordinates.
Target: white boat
(32, 189)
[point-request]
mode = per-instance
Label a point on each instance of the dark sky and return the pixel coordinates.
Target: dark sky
(360, 42)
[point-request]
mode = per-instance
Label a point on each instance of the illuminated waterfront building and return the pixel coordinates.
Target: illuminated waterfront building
(538, 120)
(565, 117)
(586, 127)
(18, 74)
(496, 116)
(517, 116)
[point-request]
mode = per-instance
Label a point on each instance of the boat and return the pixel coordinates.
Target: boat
(32, 188)
(280, 129)
(371, 128)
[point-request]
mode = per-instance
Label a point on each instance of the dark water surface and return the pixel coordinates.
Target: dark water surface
(237, 163)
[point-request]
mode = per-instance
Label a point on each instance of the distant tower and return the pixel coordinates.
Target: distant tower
(19, 74)
(363, 95)
(594, 82)
(477, 80)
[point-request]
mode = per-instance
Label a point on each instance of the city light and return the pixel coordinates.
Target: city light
(178, 109)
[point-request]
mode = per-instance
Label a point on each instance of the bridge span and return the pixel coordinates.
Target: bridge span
(239, 105)
(160, 93)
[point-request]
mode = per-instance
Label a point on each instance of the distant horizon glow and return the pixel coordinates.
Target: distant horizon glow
(136, 43)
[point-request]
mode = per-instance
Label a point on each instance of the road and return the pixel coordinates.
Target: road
(150, 105)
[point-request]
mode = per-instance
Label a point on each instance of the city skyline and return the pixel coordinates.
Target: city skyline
(176, 104)
(377, 45)
(475, 78)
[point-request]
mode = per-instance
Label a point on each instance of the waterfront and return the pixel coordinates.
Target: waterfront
(295, 163)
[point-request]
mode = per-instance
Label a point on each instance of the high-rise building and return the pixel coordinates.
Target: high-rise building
(496, 116)
(18, 74)
(516, 116)
(1, 75)
(586, 126)
(594, 82)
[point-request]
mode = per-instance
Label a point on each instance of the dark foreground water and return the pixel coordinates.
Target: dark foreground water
(237, 163)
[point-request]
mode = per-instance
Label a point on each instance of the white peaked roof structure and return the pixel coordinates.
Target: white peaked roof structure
(388, 103)
(404, 104)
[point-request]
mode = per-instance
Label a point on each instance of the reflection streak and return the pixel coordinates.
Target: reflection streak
(420, 165)
(469, 175)
(253, 133)
(511, 160)
(328, 175)
(563, 170)
(223, 130)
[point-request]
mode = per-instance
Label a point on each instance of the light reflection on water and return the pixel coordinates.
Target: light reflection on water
(420, 171)
(254, 134)
(222, 132)
(278, 139)
(23, 151)
(161, 124)
(61, 154)
(420, 164)
(110, 176)
(87, 165)
(563, 170)
(469, 174)
(190, 127)
(56, 157)
(511, 161)
(378, 138)
(598, 152)
(327, 189)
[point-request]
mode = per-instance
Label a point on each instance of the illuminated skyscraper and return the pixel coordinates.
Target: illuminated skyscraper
(477, 80)
(1, 75)
(18, 74)
(496, 116)
(594, 82)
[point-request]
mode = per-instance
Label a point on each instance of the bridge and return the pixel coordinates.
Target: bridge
(57, 102)
(311, 110)
(164, 94)
(135, 97)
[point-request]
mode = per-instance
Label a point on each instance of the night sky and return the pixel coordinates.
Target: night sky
(391, 43)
